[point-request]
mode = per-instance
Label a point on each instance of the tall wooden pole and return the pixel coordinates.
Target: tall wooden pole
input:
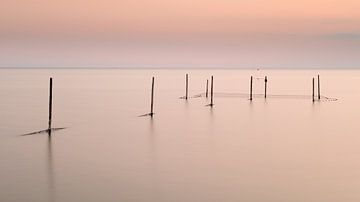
(313, 89)
(50, 105)
(319, 87)
(212, 91)
(207, 87)
(152, 98)
(251, 83)
(186, 86)
(265, 85)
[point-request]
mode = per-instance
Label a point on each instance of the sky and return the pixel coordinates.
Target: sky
(175, 34)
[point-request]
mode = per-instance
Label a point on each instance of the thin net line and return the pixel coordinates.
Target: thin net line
(246, 95)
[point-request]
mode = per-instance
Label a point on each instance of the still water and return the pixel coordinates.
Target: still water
(283, 148)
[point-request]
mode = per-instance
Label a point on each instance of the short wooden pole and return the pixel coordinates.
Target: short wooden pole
(319, 87)
(251, 83)
(313, 89)
(265, 86)
(152, 97)
(186, 86)
(207, 87)
(50, 104)
(212, 91)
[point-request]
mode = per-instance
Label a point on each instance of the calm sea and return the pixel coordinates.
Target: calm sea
(280, 149)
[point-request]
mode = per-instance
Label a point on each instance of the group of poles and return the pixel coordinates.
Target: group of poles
(212, 90)
(212, 87)
(187, 91)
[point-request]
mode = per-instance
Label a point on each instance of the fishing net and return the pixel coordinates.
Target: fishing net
(270, 96)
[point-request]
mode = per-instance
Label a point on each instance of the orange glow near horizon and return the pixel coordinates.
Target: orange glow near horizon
(177, 15)
(196, 23)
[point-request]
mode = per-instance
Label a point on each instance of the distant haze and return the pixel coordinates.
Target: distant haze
(186, 33)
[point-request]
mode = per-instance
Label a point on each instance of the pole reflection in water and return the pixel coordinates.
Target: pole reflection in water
(50, 168)
(153, 166)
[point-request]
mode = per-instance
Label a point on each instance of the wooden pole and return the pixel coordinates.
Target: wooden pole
(50, 105)
(212, 91)
(207, 87)
(152, 98)
(319, 87)
(251, 83)
(265, 85)
(187, 86)
(313, 89)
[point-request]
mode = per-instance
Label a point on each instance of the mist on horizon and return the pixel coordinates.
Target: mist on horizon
(197, 33)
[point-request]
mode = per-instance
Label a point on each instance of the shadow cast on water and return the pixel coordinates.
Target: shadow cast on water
(149, 114)
(48, 131)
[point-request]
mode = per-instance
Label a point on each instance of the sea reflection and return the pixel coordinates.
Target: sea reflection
(50, 168)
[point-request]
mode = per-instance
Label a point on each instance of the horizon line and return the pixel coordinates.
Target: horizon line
(177, 68)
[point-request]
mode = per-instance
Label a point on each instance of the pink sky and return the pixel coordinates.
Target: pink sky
(187, 33)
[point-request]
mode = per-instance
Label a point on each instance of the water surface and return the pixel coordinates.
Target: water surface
(275, 149)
